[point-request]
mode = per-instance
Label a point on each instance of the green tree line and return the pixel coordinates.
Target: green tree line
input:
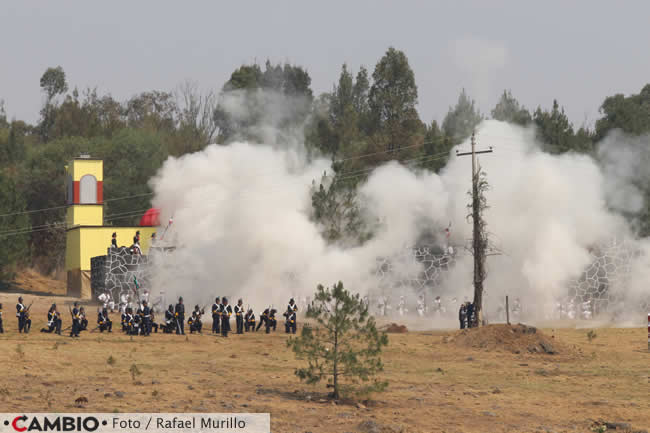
(366, 119)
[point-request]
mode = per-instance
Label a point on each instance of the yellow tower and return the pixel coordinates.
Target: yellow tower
(86, 234)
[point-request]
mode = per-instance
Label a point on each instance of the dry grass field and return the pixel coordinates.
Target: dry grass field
(440, 381)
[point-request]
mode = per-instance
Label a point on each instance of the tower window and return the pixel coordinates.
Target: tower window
(88, 189)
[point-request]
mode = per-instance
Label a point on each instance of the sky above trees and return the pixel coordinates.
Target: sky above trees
(579, 52)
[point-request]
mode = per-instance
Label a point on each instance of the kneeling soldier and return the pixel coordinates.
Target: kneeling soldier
(249, 320)
(103, 322)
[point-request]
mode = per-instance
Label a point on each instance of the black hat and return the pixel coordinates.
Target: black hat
(291, 300)
(20, 299)
(240, 301)
(75, 303)
(171, 307)
(144, 302)
(137, 232)
(114, 234)
(180, 299)
(217, 299)
(196, 307)
(224, 299)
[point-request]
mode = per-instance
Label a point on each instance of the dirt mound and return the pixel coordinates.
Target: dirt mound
(394, 328)
(512, 338)
(29, 280)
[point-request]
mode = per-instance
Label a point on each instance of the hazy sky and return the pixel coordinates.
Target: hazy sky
(576, 51)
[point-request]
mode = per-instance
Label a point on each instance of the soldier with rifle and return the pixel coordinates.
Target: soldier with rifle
(239, 316)
(152, 323)
(216, 315)
(24, 322)
(170, 320)
(53, 321)
(249, 320)
(290, 324)
(226, 311)
(179, 313)
(2, 330)
(146, 318)
(104, 323)
(83, 322)
(195, 320)
(76, 321)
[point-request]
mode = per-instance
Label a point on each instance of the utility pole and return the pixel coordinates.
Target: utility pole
(478, 244)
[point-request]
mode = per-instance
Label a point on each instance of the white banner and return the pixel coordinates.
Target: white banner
(136, 422)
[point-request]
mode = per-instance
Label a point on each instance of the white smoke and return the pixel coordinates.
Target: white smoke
(242, 222)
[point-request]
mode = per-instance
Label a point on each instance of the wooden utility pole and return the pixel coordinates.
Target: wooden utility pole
(478, 244)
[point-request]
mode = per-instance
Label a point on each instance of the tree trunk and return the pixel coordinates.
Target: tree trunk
(335, 369)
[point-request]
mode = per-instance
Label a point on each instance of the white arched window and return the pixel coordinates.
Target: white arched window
(88, 189)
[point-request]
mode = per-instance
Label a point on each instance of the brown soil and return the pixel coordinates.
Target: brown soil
(512, 338)
(31, 281)
(433, 386)
(394, 328)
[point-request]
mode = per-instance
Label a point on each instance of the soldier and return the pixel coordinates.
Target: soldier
(20, 314)
(152, 322)
(264, 318)
(226, 311)
(53, 321)
(83, 320)
(103, 321)
(124, 321)
(401, 307)
(271, 323)
(249, 320)
(170, 320)
(421, 305)
(179, 312)
(76, 321)
(114, 240)
(216, 315)
(462, 315)
(136, 321)
(195, 320)
(290, 324)
(129, 321)
(471, 316)
(2, 330)
(146, 318)
(239, 316)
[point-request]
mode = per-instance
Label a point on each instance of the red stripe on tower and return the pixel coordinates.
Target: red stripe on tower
(100, 192)
(75, 192)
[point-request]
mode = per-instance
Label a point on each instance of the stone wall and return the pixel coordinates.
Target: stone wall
(114, 272)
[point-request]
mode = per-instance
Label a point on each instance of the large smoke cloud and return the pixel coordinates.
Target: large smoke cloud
(242, 222)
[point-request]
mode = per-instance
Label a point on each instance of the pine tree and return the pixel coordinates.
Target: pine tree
(344, 346)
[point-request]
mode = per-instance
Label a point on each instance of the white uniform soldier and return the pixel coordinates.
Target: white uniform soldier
(381, 305)
(401, 307)
(421, 306)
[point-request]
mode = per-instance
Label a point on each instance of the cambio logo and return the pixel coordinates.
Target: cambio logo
(61, 423)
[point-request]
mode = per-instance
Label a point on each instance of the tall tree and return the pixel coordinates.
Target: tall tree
(14, 226)
(460, 121)
(509, 110)
(630, 114)
(53, 84)
(392, 100)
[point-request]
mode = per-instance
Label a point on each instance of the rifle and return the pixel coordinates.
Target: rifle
(30, 306)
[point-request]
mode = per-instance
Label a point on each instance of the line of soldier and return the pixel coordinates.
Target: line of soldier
(142, 322)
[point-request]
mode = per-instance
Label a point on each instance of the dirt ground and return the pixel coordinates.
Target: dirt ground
(439, 381)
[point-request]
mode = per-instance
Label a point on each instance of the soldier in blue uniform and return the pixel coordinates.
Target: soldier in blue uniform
(216, 315)
(249, 321)
(239, 316)
(2, 330)
(21, 314)
(76, 321)
(53, 321)
(290, 323)
(104, 323)
(226, 312)
(179, 312)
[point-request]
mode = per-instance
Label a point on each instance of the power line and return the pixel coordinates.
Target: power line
(65, 206)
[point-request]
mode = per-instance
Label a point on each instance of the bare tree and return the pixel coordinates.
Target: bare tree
(196, 116)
